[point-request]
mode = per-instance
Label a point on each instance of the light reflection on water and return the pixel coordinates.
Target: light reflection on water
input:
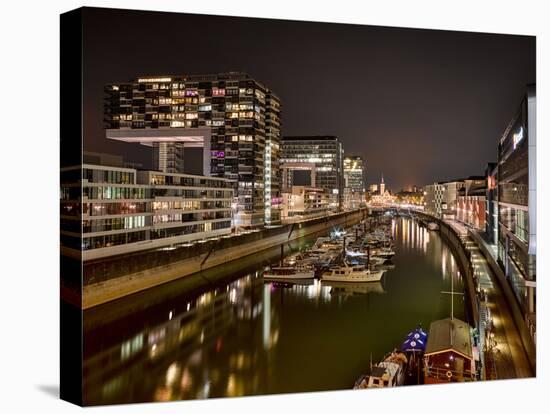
(248, 337)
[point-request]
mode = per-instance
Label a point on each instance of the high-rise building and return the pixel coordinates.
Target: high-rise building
(354, 182)
(517, 205)
(233, 117)
(327, 155)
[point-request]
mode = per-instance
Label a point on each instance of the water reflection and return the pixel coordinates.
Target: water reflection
(251, 337)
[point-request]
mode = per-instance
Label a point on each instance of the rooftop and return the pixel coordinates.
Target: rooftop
(449, 335)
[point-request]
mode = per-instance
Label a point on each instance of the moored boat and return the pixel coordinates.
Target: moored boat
(388, 373)
(355, 273)
(290, 273)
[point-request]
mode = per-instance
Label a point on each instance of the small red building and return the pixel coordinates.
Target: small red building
(449, 354)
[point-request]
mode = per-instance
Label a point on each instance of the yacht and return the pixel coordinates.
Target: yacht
(290, 273)
(355, 273)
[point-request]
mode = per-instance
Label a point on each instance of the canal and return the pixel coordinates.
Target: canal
(224, 335)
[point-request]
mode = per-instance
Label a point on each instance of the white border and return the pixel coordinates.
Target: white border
(29, 208)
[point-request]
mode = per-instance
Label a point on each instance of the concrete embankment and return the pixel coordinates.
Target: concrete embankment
(113, 278)
(452, 239)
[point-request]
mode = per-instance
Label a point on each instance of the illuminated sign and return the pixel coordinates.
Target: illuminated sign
(144, 80)
(517, 137)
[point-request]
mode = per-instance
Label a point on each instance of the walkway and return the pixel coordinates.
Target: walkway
(505, 355)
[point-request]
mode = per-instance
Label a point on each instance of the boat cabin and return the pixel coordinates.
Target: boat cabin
(449, 354)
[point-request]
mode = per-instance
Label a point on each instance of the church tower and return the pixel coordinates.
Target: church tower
(382, 186)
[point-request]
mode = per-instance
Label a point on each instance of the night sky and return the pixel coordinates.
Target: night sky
(418, 105)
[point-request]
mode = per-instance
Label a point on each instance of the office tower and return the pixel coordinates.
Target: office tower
(354, 184)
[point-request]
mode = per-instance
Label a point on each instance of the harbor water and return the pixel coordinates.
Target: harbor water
(238, 335)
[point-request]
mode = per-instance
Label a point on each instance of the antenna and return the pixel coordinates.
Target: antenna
(452, 293)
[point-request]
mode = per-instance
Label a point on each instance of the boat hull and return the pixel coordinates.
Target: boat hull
(360, 278)
(293, 276)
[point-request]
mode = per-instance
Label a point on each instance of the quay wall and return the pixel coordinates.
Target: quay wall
(112, 278)
(452, 239)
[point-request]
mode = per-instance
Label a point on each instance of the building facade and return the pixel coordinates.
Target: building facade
(304, 202)
(233, 117)
(354, 182)
(517, 205)
(491, 209)
(440, 199)
(123, 210)
(383, 196)
(327, 154)
(471, 204)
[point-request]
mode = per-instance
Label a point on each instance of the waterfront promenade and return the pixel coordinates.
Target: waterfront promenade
(505, 353)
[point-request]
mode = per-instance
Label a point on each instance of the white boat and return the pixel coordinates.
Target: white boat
(290, 273)
(388, 373)
(356, 273)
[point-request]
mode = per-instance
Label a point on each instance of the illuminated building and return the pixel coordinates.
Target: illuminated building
(383, 196)
(122, 210)
(517, 205)
(440, 199)
(415, 197)
(304, 202)
(471, 202)
(354, 185)
(326, 153)
(234, 118)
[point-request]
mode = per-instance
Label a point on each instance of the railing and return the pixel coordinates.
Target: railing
(451, 375)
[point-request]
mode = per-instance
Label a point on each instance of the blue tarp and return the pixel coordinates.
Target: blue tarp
(416, 341)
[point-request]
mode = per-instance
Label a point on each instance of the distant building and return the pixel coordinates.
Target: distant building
(440, 199)
(383, 196)
(326, 153)
(233, 117)
(413, 198)
(304, 202)
(471, 204)
(373, 188)
(517, 205)
(123, 210)
(354, 183)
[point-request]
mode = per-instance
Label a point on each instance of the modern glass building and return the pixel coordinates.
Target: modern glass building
(491, 210)
(326, 153)
(107, 210)
(517, 205)
(233, 117)
(354, 182)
